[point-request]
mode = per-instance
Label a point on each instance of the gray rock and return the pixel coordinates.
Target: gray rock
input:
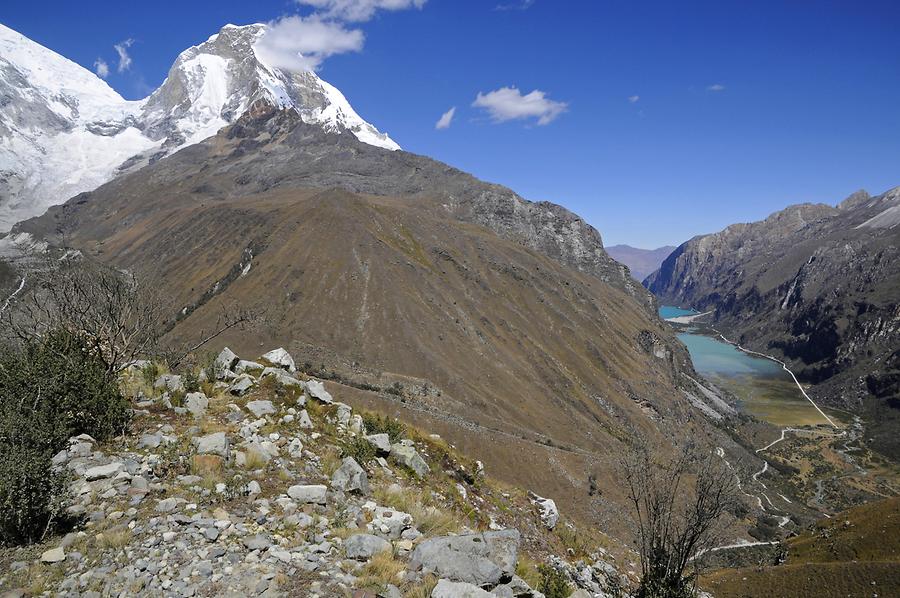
(167, 505)
(243, 365)
(580, 593)
(60, 458)
(389, 522)
(54, 555)
(547, 507)
(350, 477)
(308, 494)
(196, 403)
(211, 534)
(344, 412)
(281, 377)
(381, 442)
(365, 546)
(303, 420)
(451, 589)
(317, 391)
(224, 362)
(169, 382)
(484, 559)
(280, 358)
(410, 457)
(241, 385)
(102, 472)
(213, 444)
(150, 441)
(516, 588)
(257, 542)
(261, 408)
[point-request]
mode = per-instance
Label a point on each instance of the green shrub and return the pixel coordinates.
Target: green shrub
(56, 388)
(359, 448)
(50, 390)
(553, 582)
(380, 424)
(150, 373)
(31, 494)
(191, 381)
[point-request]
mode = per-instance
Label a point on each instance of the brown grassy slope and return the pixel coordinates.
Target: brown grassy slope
(856, 553)
(517, 349)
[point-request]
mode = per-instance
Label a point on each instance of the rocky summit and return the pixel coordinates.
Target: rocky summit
(297, 499)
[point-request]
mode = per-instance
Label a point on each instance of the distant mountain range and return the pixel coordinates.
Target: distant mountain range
(641, 262)
(816, 284)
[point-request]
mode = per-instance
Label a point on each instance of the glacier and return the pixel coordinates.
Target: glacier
(63, 130)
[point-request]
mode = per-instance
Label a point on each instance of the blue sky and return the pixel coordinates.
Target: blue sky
(679, 118)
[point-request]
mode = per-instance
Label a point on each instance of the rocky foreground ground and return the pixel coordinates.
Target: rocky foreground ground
(248, 479)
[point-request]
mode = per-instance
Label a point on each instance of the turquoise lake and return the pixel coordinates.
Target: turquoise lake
(762, 386)
(669, 311)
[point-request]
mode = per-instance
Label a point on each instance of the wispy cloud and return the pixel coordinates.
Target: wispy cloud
(520, 5)
(301, 43)
(358, 10)
(446, 119)
(508, 103)
(715, 87)
(634, 99)
(297, 43)
(101, 68)
(124, 57)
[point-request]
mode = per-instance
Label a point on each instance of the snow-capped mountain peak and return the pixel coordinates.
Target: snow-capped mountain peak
(65, 131)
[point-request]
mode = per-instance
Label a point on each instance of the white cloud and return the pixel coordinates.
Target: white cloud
(124, 58)
(297, 43)
(446, 118)
(508, 103)
(634, 99)
(716, 87)
(358, 10)
(101, 68)
(520, 5)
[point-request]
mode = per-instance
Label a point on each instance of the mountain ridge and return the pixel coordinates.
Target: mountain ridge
(814, 284)
(501, 319)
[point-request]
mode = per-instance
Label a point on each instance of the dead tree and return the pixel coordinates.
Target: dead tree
(119, 315)
(678, 501)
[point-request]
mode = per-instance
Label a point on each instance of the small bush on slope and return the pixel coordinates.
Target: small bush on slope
(553, 582)
(50, 390)
(382, 424)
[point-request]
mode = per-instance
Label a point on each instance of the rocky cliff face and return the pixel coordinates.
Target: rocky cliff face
(816, 284)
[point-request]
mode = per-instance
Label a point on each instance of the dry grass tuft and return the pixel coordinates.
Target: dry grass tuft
(114, 538)
(381, 570)
(254, 460)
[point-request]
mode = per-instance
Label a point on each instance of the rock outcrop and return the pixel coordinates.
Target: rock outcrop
(155, 515)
